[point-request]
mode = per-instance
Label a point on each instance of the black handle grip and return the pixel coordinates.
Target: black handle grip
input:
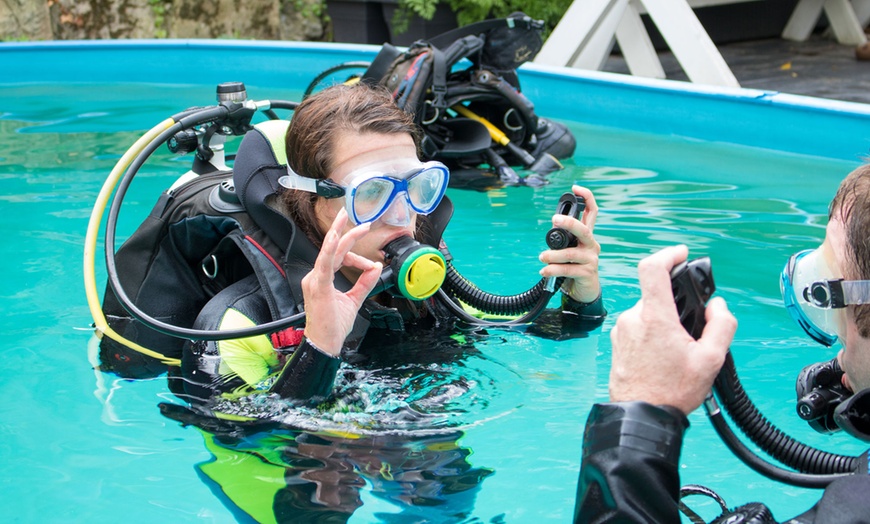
(692, 284)
(571, 205)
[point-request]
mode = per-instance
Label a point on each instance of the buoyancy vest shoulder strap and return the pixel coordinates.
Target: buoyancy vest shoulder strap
(274, 132)
(260, 161)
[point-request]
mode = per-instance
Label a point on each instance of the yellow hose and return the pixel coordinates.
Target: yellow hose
(100, 323)
(494, 131)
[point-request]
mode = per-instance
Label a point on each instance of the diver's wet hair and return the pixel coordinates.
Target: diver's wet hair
(852, 205)
(318, 121)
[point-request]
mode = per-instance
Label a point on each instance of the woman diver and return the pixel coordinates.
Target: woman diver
(354, 185)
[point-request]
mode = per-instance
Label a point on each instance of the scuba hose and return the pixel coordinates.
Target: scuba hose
(693, 285)
(496, 134)
(100, 322)
(545, 164)
(197, 118)
(816, 468)
(129, 165)
(530, 304)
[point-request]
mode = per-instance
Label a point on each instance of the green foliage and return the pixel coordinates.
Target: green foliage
(158, 8)
(470, 11)
(308, 9)
(423, 8)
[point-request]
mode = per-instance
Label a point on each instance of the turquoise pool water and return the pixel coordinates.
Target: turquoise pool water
(80, 445)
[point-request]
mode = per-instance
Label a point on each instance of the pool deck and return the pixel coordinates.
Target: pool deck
(818, 67)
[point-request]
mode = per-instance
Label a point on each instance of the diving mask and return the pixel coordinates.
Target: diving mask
(815, 298)
(373, 189)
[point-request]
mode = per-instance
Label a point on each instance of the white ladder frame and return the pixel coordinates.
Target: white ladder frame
(847, 20)
(598, 23)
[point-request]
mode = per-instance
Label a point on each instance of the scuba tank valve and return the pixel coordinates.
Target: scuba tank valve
(411, 269)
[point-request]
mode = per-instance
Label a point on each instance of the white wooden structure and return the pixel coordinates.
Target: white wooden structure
(585, 35)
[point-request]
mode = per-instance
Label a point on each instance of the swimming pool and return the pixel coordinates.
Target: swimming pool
(742, 176)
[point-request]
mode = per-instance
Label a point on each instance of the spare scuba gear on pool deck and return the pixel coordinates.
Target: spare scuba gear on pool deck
(476, 120)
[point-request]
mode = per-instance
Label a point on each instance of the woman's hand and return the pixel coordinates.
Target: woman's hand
(654, 359)
(580, 263)
(329, 313)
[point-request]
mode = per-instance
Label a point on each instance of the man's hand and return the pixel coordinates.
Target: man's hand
(654, 359)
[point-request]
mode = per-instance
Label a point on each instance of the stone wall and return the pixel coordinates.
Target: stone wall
(31, 20)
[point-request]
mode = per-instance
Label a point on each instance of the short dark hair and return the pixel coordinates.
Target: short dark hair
(318, 121)
(852, 205)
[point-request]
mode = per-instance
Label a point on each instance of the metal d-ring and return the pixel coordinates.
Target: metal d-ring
(211, 275)
(428, 121)
(507, 115)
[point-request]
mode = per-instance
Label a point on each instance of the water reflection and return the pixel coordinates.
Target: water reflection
(273, 473)
(389, 435)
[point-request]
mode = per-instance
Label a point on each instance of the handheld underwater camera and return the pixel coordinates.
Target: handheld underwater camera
(570, 205)
(692, 284)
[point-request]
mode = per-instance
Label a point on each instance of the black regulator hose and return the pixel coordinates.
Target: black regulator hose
(491, 303)
(820, 467)
(529, 303)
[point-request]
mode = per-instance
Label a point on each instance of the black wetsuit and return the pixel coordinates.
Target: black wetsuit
(308, 374)
(629, 471)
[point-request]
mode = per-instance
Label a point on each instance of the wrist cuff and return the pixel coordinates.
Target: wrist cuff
(655, 430)
(587, 310)
(308, 374)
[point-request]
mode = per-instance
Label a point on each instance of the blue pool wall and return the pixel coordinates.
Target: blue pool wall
(756, 118)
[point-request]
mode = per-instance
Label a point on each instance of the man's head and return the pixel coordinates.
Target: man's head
(848, 235)
(827, 290)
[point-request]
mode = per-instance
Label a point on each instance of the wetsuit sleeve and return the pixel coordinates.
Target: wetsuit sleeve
(629, 471)
(308, 374)
(251, 358)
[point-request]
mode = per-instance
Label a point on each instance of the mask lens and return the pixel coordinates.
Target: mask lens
(797, 284)
(426, 188)
(371, 198)
(371, 194)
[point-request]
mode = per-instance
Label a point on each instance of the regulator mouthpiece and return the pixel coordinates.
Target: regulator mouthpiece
(413, 270)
